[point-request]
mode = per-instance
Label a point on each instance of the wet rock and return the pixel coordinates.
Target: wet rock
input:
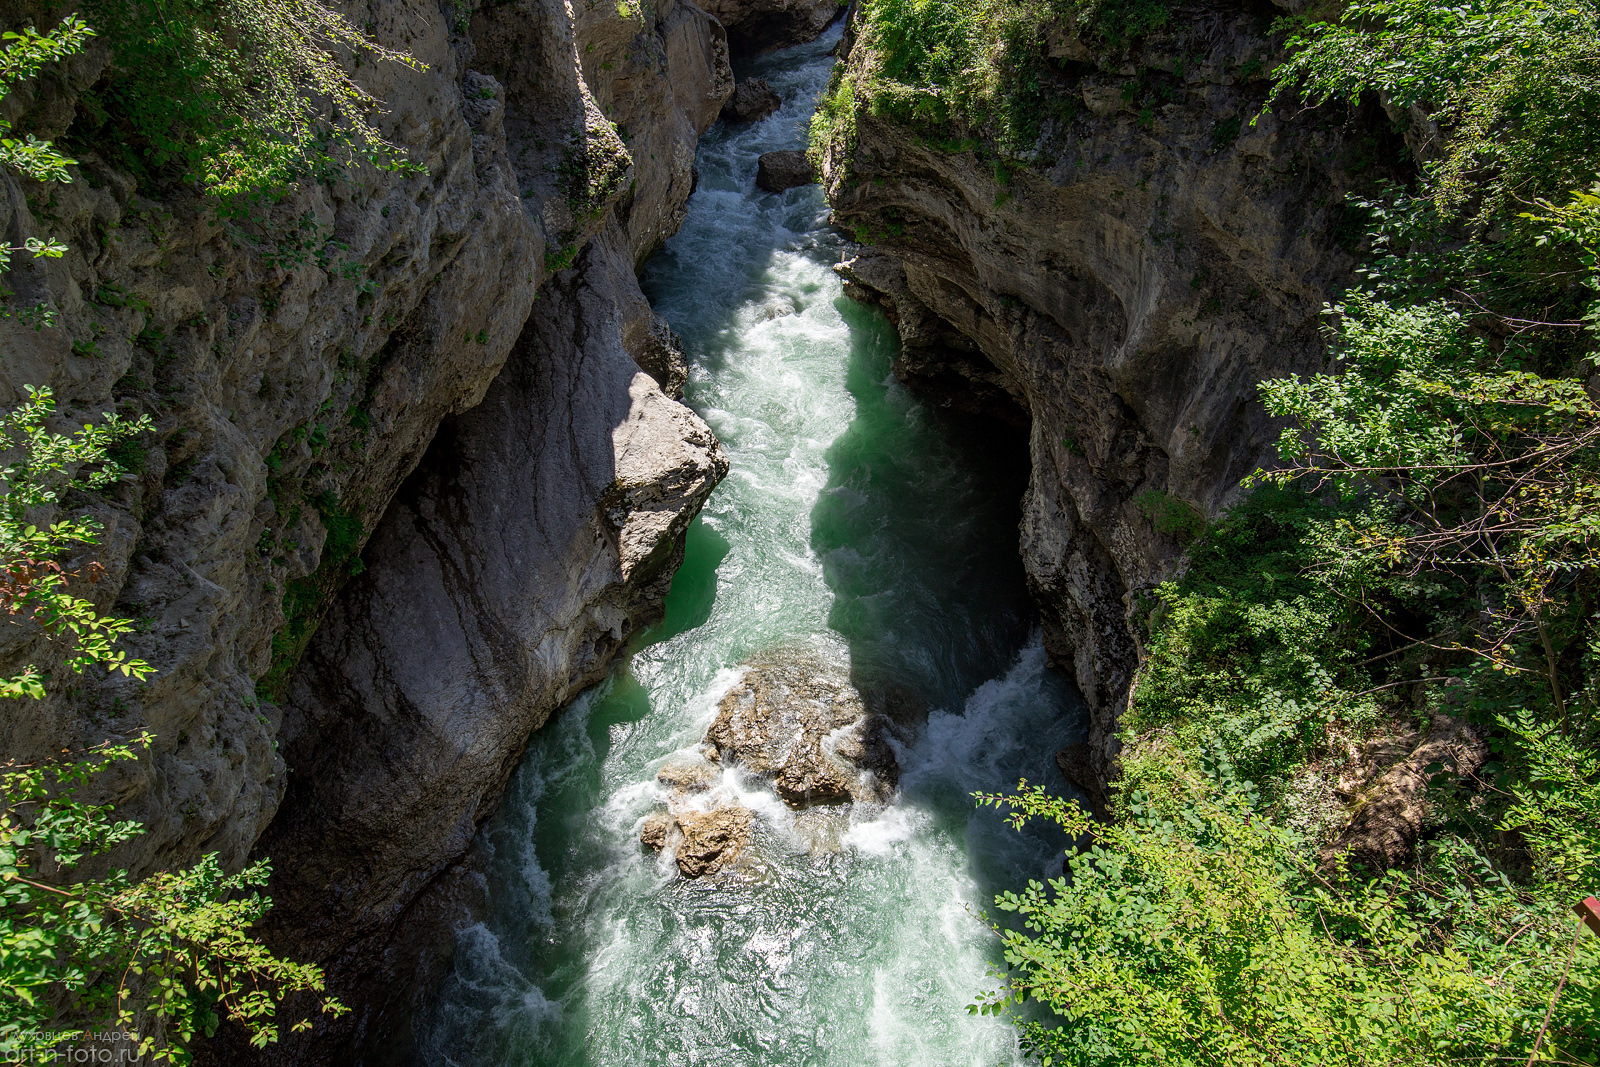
(657, 830)
(777, 171)
(712, 839)
(796, 721)
(687, 777)
(703, 842)
(752, 100)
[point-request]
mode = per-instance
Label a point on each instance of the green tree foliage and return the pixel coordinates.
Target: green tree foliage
(24, 55)
(34, 587)
(1202, 934)
(243, 96)
(169, 954)
(1504, 80)
(1428, 546)
(979, 67)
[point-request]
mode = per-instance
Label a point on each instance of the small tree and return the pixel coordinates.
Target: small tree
(170, 953)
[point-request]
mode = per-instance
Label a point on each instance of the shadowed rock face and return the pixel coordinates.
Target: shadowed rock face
(760, 25)
(1126, 290)
(1387, 792)
(777, 171)
(752, 100)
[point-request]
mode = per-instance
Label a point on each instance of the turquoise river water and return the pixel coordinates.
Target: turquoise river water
(852, 522)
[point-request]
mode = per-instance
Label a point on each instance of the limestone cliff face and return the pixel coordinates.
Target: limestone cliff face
(342, 609)
(1127, 284)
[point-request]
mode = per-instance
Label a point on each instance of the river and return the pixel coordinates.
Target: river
(854, 523)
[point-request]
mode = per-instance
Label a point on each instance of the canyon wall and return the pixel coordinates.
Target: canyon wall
(410, 487)
(1127, 280)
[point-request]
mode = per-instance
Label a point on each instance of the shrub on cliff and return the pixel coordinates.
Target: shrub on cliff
(1427, 553)
(962, 68)
(241, 96)
(169, 954)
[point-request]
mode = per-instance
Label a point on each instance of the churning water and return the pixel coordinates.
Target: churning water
(852, 523)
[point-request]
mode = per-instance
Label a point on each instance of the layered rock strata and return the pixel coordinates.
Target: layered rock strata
(1126, 282)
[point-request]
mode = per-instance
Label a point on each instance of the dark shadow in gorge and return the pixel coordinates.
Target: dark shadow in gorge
(917, 533)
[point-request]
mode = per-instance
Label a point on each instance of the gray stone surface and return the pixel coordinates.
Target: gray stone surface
(777, 171)
(752, 100)
(445, 604)
(1127, 289)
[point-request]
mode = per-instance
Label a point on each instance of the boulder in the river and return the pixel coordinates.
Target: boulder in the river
(752, 100)
(696, 777)
(705, 832)
(798, 722)
(777, 171)
(703, 841)
(712, 839)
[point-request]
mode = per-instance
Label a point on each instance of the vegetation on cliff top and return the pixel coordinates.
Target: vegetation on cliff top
(1423, 565)
(954, 69)
(240, 99)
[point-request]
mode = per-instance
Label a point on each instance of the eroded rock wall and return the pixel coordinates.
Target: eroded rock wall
(1127, 283)
(339, 606)
(291, 381)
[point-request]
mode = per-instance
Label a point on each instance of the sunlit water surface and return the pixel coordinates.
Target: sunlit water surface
(853, 523)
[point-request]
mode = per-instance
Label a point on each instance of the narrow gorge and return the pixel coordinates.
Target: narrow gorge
(598, 567)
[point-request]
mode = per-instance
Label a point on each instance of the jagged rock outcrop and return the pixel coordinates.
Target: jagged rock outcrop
(706, 829)
(292, 393)
(799, 723)
(752, 100)
(333, 596)
(778, 171)
(759, 25)
(1125, 285)
(539, 532)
